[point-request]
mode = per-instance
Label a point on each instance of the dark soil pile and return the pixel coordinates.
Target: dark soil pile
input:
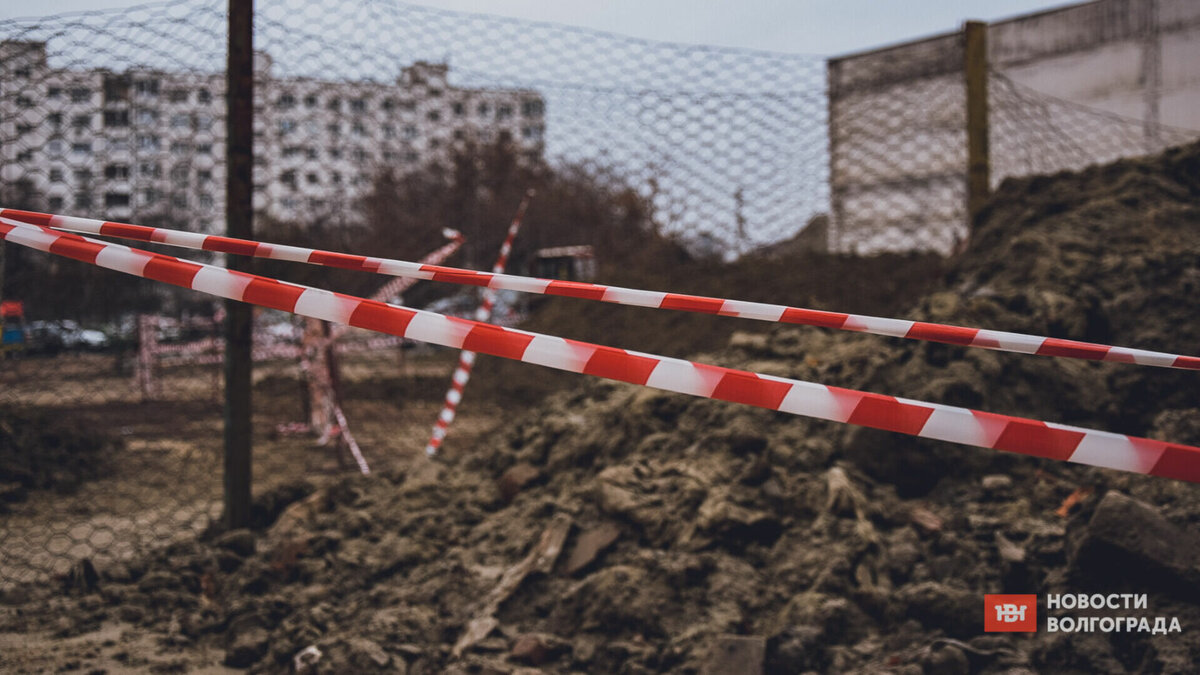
(624, 530)
(39, 452)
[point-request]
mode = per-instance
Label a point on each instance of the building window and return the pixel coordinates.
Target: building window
(292, 151)
(410, 132)
(434, 93)
(286, 127)
(358, 105)
(285, 102)
(54, 92)
(532, 108)
(533, 133)
(288, 178)
(408, 104)
(359, 155)
(23, 129)
(80, 95)
(179, 200)
(359, 129)
(180, 174)
(178, 96)
(83, 200)
(204, 149)
(116, 118)
(116, 199)
(25, 156)
(389, 104)
(180, 148)
(311, 153)
(150, 196)
(204, 176)
(147, 117)
(504, 112)
(434, 115)
(149, 170)
(483, 109)
(55, 119)
(334, 129)
(82, 175)
(335, 178)
(310, 101)
(411, 157)
(81, 121)
(334, 104)
(55, 203)
(181, 121)
(146, 87)
(312, 179)
(204, 122)
(389, 131)
(56, 175)
(24, 102)
(116, 171)
(335, 153)
(54, 148)
(459, 109)
(204, 96)
(206, 202)
(81, 148)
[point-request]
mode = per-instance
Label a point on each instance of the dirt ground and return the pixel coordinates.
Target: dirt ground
(616, 529)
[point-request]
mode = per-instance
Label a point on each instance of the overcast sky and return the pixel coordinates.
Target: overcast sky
(825, 27)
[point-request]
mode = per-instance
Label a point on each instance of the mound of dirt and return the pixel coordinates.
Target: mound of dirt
(41, 452)
(618, 529)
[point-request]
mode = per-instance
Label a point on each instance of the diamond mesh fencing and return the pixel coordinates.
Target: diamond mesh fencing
(376, 126)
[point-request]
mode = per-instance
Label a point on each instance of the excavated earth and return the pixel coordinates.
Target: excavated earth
(617, 529)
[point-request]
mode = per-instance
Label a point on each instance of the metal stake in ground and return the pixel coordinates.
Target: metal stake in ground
(466, 359)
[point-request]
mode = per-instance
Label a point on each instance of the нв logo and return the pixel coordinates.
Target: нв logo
(1010, 613)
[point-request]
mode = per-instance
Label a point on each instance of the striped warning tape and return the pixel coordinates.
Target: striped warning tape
(916, 330)
(917, 418)
(466, 360)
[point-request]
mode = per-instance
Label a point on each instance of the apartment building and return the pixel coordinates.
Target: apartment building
(148, 144)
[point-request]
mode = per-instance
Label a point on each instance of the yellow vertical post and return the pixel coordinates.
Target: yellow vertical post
(976, 73)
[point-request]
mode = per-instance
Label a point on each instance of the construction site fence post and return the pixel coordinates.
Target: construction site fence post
(976, 73)
(239, 223)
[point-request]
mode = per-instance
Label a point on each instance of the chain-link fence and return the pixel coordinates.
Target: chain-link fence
(376, 125)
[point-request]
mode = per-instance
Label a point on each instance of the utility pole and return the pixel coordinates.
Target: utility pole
(239, 223)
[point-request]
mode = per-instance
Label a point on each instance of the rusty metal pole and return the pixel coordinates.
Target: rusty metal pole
(239, 215)
(978, 162)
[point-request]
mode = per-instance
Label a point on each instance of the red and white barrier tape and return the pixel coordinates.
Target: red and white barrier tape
(916, 330)
(462, 373)
(916, 418)
(398, 285)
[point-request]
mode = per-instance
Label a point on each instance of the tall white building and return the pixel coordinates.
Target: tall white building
(146, 143)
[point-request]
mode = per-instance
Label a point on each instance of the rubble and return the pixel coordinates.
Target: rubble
(648, 532)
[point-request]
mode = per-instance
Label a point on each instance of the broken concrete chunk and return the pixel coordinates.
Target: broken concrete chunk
(367, 654)
(736, 655)
(1128, 539)
(516, 479)
(590, 544)
(238, 542)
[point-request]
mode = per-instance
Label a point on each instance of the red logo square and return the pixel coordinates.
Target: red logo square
(1010, 613)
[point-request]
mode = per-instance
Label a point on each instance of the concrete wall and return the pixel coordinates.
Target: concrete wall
(1072, 86)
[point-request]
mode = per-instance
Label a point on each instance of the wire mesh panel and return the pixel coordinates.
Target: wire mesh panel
(1035, 133)
(376, 125)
